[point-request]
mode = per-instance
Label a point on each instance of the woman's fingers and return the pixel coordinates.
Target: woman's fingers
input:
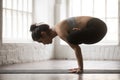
(75, 70)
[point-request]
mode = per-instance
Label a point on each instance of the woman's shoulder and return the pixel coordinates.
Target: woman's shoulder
(61, 25)
(61, 28)
(83, 17)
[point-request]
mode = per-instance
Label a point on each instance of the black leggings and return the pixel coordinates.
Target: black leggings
(94, 31)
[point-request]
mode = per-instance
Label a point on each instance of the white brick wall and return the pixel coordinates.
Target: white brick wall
(101, 52)
(19, 53)
(90, 52)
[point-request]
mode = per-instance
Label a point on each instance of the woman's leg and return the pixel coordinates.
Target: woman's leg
(92, 33)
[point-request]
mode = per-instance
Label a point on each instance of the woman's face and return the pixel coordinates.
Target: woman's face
(45, 39)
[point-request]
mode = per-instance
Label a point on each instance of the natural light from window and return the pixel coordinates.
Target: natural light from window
(17, 17)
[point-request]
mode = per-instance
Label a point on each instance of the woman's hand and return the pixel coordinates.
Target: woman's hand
(76, 70)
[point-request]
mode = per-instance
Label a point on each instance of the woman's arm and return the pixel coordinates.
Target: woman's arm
(63, 34)
(78, 54)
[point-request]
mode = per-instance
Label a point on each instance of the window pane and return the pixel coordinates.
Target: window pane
(15, 19)
(4, 23)
(112, 29)
(4, 3)
(73, 5)
(112, 8)
(29, 5)
(20, 7)
(87, 7)
(70, 8)
(8, 23)
(25, 25)
(9, 4)
(19, 26)
(99, 8)
(28, 26)
(15, 4)
(14, 24)
(25, 5)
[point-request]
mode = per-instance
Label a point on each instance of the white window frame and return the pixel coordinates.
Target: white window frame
(19, 28)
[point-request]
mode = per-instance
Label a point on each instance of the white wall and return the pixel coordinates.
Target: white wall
(29, 52)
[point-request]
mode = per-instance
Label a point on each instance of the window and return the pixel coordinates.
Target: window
(107, 10)
(17, 18)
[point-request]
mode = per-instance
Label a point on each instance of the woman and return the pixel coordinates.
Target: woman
(74, 31)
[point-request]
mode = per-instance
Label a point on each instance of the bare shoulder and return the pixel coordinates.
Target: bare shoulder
(83, 18)
(61, 28)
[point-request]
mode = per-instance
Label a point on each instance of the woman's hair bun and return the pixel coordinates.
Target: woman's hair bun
(33, 27)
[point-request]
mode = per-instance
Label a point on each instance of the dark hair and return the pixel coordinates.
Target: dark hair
(37, 29)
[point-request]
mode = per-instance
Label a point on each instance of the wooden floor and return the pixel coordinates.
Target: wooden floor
(62, 64)
(60, 77)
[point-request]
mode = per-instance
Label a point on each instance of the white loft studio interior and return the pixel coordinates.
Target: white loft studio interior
(16, 16)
